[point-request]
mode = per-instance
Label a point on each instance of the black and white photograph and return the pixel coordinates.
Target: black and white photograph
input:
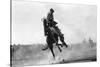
(46, 33)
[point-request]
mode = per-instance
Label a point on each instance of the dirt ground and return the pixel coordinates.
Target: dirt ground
(28, 55)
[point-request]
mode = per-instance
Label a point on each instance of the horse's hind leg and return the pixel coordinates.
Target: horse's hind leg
(50, 45)
(52, 52)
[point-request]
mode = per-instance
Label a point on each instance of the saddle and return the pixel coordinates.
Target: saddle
(56, 30)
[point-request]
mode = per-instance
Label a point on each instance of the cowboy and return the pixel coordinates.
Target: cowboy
(52, 24)
(49, 22)
(50, 18)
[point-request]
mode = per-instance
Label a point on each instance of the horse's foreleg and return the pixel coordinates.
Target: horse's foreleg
(59, 48)
(63, 42)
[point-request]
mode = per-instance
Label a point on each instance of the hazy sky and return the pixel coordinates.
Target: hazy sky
(75, 21)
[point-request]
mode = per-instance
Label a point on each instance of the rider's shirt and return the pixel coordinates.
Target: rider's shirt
(50, 16)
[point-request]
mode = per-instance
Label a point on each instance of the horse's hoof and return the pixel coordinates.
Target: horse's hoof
(61, 45)
(66, 46)
(60, 50)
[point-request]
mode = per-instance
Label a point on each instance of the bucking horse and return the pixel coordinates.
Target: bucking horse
(52, 34)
